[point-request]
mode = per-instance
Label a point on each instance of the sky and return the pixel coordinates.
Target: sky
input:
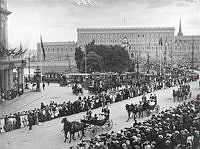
(57, 20)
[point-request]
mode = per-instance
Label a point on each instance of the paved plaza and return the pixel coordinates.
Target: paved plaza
(49, 135)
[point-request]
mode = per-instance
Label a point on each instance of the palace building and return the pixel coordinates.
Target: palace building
(59, 56)
(187, 48)
(11, 66)
(138, 41)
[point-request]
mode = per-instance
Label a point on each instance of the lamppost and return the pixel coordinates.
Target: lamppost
(192, 53)
(148, 59)
(85, 61)
(37, 75)
(137, 62)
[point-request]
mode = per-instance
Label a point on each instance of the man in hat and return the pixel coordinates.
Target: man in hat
(30, 120)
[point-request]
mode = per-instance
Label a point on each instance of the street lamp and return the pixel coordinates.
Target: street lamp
(137, 64)
(37, 74)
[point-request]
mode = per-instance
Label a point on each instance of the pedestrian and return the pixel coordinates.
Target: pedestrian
(30, 120)
(199, 83)
(43, 85)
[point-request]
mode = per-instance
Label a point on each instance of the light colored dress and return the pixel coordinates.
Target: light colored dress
(2, 124)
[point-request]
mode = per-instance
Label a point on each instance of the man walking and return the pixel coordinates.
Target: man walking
(30, 120)
(43, 85)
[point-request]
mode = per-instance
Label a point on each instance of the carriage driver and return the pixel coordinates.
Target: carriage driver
(144, 98)
(79, 86)
(88, 115)
(106, 112)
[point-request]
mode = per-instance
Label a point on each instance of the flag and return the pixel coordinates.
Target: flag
(42, 46)
(20, 50)
(160, 41)
(24, 51)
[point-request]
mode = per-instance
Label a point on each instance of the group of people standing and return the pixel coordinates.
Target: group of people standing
(54, 110)
(12, 93)
(174, 128)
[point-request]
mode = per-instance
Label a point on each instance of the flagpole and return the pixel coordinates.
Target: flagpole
(29, 67)
(42, 51)
(41, 63)
(160, 58)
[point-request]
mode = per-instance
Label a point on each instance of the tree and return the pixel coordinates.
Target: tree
(78, 57)
(112, 58)
(132, 67)
(93, 61)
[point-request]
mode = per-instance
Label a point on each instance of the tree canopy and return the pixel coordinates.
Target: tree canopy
(78, 57)
(105, 58)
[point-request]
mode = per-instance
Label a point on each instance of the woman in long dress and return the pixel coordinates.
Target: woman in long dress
(2, 124)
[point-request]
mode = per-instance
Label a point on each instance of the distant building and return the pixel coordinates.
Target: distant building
(3, 23)
(11, 66)
(186, 47)
(139, 41)
(59, 56)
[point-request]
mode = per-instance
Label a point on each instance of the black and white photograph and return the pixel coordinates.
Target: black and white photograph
(99, 74)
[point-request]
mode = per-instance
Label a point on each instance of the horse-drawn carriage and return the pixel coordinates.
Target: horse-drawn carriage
(182, 93)
(137, 110)
(94, 125)
(85, 125)
(95, 90)
(76, 89)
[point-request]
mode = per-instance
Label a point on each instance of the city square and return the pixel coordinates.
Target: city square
(131, 82)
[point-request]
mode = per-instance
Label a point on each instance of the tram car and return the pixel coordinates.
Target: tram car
(52, 77)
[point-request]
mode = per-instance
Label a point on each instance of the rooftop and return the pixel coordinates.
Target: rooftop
(125, 28)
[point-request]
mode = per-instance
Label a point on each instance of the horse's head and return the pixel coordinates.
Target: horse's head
(127, 106)
(64, 120)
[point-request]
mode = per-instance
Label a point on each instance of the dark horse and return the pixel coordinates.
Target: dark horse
(76, 90)
(131, 109)
(72, 128)
(138, 110)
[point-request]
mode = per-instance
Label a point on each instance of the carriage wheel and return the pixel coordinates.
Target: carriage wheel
(93, 131)
(108, 125)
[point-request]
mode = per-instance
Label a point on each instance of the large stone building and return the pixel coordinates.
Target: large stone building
(3, 22)
(11, 66)
(59, 56)
(141, 41)
(187, 47)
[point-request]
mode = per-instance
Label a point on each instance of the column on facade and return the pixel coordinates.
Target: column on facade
(10, 72)
(6, 79)
(1, 80)
(19, 78)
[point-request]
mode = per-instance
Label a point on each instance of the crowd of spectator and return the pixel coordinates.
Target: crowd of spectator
(12, 93)
(54, 110)
(175, 128)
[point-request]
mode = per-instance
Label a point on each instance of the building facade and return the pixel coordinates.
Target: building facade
(3, 23)
(11, 66)
(187, 49)
(142, 41)
(59, 56)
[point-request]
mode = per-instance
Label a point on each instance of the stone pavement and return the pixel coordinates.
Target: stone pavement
(48, 135)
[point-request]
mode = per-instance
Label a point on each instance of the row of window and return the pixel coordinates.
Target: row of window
(186, 47)
(128, 35)
(119, 41)
(147, 48)
(59, 49)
